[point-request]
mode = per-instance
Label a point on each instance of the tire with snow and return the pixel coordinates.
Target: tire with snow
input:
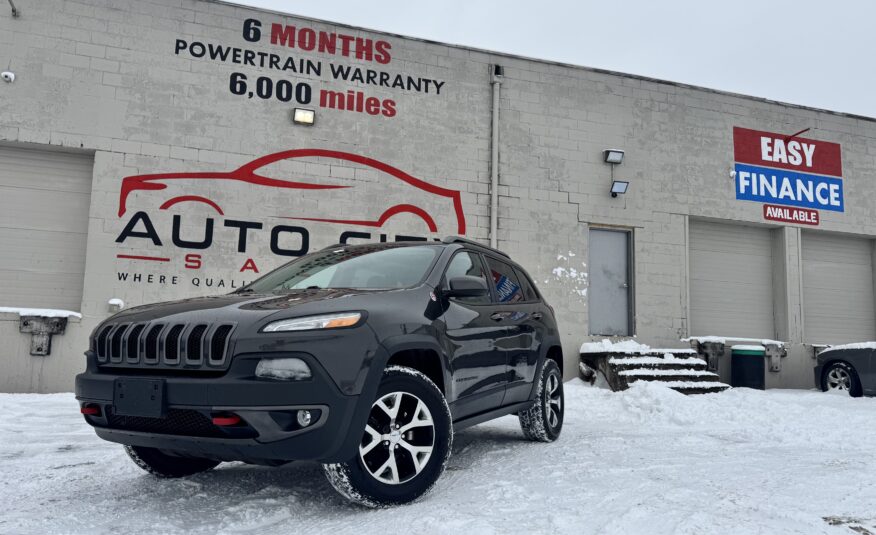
(841, 377)
(405, 446)
(162, 465)
(543, 421)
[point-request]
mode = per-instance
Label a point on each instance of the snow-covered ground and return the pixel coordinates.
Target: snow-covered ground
(644, 461)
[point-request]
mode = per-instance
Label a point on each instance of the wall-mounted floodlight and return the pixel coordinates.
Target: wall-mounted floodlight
(303, 116)
(613, 156)
(619, 187)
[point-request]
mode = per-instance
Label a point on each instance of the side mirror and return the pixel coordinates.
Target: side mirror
(467, 286)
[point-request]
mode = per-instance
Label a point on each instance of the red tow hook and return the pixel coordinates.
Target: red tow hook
(90, 410)
(227, 420)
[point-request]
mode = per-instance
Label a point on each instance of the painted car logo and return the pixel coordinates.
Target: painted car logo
(258, 173)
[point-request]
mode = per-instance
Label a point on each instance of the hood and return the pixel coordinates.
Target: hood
(238, 306)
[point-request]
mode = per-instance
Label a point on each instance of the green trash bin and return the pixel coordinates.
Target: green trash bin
(748, 366)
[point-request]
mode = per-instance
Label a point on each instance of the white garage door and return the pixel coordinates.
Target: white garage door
(837, 289)
(731, 291)
(44, 199)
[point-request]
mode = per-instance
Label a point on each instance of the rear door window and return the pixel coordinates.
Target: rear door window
(505, 281)
(529, 292)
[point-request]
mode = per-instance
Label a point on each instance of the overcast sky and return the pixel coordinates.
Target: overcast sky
(816, 53)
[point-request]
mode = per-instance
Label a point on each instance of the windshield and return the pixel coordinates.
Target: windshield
(363, 267)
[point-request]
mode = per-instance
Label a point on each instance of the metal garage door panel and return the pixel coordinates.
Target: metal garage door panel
(44, 203)
(43, 210)
(731, 280)
(837, 289)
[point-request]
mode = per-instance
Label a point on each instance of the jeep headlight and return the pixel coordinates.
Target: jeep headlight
(311, 323)
(284, 369)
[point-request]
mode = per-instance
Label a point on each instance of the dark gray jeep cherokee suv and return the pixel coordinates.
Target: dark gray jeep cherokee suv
(362, 357)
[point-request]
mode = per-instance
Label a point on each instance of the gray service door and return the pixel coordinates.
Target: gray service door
(610, 282)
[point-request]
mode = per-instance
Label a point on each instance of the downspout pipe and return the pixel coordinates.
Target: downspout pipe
(498, 73)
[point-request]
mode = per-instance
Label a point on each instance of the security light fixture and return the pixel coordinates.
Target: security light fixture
(303, 116)
(619, 187)
(613, 156)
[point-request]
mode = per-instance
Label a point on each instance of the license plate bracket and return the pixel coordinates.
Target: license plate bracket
(139, 397)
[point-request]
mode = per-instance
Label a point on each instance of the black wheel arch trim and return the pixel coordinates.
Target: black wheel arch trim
(407, 342)
(546, 347)
(377, 367)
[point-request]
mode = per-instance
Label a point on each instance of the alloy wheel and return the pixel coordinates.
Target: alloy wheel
(553, 400)
(399, 438)
(839, 379)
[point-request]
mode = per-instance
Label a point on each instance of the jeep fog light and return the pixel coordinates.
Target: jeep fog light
(304, 417)
(283, 369)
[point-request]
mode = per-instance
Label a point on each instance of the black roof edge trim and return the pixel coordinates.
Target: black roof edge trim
(459, 239)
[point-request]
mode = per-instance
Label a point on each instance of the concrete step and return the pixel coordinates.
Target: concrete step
(682, 370)
(658, 358)
(679, 353)
(662, 375)
(694, 387)
(689, 364)
(700, 388)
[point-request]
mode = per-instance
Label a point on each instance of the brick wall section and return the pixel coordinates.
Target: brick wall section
(101, 76)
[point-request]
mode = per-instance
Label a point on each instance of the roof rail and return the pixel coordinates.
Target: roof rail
(458, 239)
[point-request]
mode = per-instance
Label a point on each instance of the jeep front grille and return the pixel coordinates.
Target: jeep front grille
(164, 345)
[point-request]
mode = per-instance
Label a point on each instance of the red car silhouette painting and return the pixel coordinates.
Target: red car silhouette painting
(368, 196)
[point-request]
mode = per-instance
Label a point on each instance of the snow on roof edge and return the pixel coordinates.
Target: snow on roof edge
(630, 347)
(855, 345)
(724, 339)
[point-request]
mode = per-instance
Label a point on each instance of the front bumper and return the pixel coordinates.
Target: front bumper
(268, 432)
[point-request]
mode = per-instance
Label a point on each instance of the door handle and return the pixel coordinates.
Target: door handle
(536, 315)
(497, 316)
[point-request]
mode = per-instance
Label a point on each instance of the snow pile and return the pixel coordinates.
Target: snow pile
(646, 460)
(44, 312)
(656, 403)
(857, 345)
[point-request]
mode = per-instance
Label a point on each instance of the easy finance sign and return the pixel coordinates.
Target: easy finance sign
(788, 171)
